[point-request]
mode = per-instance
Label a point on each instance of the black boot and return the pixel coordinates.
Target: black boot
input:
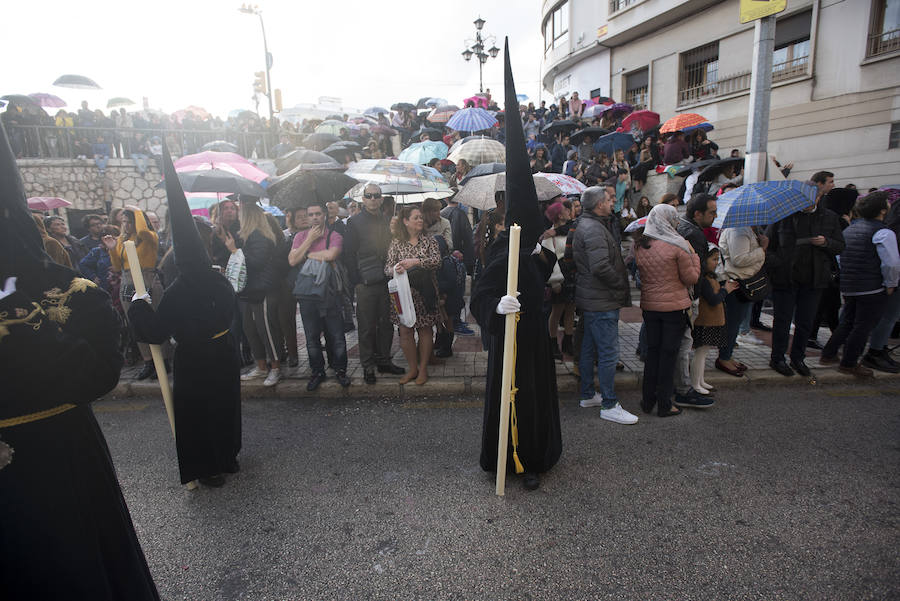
(567, 345)
(554, 346)
(881, 361)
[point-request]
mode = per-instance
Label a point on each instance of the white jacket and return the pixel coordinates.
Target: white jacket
(741, 253)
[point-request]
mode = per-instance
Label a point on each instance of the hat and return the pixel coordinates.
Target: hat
(190, 253)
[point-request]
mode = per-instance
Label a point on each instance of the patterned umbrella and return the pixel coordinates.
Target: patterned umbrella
(476, 152)
(79, 82)
(423, 152)
(471, 119)
(479, 191)
(644, 120)
(48, 100)
(401, 178)
(636, 224)
(442, 113)
(566, 183)
(679, 122)
(763, 203)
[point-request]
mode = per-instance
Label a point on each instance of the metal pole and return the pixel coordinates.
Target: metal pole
(269, 75)
(480, 88)
(755, 161)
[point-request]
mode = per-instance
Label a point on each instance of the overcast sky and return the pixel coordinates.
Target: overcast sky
(204, 52)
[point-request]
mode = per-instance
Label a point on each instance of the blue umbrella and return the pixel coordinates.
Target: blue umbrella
(375, 110)
(610, 143)
(471, 119)
(763, 203)
(422, 152)
(705, 126)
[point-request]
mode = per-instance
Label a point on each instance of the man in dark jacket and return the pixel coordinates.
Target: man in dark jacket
(365, 253)
(461, 233)
(800, 258)
(559, 153)
(601, 289)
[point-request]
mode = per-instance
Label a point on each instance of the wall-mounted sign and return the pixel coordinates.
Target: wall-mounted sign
(752, 10)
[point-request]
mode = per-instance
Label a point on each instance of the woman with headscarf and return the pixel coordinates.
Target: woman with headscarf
(669, 267)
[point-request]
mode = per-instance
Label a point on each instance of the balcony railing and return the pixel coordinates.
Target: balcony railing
(790, 69)
(617, 5)
(882, 43)
(740, 82)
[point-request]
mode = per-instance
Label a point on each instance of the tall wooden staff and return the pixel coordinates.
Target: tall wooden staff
(509, 361)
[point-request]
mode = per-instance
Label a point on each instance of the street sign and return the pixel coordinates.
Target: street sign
(752, 10)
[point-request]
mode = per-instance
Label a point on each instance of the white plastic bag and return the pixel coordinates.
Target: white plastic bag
(236, 270)
(401, 297)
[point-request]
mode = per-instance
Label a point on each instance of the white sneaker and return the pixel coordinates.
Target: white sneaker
(253, 374)
(618, 415)
(749, 338)
(594, 401)
(273, 378)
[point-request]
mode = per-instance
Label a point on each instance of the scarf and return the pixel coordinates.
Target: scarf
(661, 224)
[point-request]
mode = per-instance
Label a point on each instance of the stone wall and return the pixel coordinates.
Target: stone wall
(79, 181)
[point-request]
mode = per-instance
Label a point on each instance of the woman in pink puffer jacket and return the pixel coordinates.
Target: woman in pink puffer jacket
(668, 267)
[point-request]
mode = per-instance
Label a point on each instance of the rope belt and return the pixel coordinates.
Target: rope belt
(220, 334)
(33, 417)
(514, 426)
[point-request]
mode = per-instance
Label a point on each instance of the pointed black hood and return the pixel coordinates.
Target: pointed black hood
(21, 247)
(521, 199)
(190, 253)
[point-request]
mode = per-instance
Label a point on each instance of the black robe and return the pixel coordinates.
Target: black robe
(537, 404)
(198, 310)
(65, 531)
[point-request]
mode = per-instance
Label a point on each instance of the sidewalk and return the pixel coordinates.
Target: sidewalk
(464, 372)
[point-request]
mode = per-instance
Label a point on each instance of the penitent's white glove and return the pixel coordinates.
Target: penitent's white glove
(508, 304)
(144, 297)
(8, 287)
(537, 249)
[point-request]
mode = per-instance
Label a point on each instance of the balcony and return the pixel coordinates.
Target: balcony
(883, 43)
(618, 5)
(740, 82)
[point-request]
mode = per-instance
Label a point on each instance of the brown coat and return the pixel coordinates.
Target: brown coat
(709, 315)
(56, 251)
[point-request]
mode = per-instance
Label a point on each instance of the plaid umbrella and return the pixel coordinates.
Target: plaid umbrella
(480, 151)
(442, 113)
(679, 122)
(566, 183)
(422, 152)
(471, 119)
(763, 203)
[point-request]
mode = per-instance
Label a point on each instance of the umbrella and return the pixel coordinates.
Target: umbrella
(763, 203)
(705, 126)
(442, 113)
(566, 183)
(610, 143)
(428, 132)
(79, 82)
(197, 111)
(319, 141)
(471, 119)
(19, 99)
(309, 160)
(423, 152)
(477, 101)
(643, 120)
(636, 224)
(273, 210)
(334, 117)
(223, 161)
(402, 193)
(435, 102)
(401, 178)
(462, 141)
(561, 125)
(375, 111)
(47, 203)
(48, 100)
(383, 129)
(403, 106)
(679, 122)
(479, 191)
(420, 103)
(219, 146)
(332, 126)
(619, 108)
(483, 169)
(299, 189)
(593, 132)
(475, 152)
(338, 151)
(119, 101)
(893, 192)
(594, 111)
(219, 180)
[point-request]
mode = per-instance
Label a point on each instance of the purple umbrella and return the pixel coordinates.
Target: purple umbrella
(48, 100)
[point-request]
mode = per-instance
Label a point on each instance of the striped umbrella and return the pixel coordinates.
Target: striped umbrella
(476, 152)
(763, 203)
(679, 122)
(442, 113)
(566, 183)
(471, 119)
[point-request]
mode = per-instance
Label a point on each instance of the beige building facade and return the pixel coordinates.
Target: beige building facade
(835, 101)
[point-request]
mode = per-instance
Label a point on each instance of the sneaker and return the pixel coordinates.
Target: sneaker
(254, 374)
(619, 415)
(749, 338)
(273, 378)
(694, 399)
(462, 329)
(594, 401)
(314, 381)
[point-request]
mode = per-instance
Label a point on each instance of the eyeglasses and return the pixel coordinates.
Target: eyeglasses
(372, 195)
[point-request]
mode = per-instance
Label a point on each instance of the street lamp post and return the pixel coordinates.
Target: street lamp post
(476, 48)
(254, 10)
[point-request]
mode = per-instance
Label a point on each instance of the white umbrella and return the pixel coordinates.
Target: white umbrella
(480, 151)
(479, 191)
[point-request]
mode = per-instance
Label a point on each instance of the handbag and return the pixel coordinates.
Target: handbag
(236, 271)
(371, 269)
(755, 288)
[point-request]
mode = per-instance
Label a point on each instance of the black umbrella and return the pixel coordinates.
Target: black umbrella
(429, 133)
(76, 81)
(338, 151)
(217, 180)
(335, 117)
(19, 99)
(555, 127)
(712, 171)
(300, 189)
(319, 141)
(483, 169)
(348, 144)
(220, 146)
(403, 106)
(301, 156)
(593, 132)
(420, 104)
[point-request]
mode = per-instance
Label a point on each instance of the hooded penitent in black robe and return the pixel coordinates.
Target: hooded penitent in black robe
(536, 403)
(65, 531)
(197, 310)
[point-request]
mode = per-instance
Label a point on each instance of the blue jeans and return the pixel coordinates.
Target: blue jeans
(735, 312)
(140, 161)
(882, 331)
(601, 340)
(332, 324)
(101, 161)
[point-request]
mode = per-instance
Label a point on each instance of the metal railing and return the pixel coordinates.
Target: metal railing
(740, 82)
(637, 97)
(882, 43)
(617, 5)
(49, 141)
(789, 69)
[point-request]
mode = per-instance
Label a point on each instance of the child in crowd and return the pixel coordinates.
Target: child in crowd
(709, 327)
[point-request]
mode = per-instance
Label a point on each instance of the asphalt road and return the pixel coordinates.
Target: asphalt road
(777, 493)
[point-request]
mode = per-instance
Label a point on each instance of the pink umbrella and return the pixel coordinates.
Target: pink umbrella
(47, 203)
(478, 101)
(48, 100)
(227, 161)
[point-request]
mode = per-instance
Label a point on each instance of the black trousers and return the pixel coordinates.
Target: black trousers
(800, 306)
(663, 331)
(376, 333)
(859, 317)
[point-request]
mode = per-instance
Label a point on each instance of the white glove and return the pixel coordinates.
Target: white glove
(8, 287)
(508, 304)
(537, 249)
(144, 297)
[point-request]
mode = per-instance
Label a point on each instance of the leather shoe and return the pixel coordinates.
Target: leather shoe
(737, 372)
(801, 368)
(343, 379)
(369, 375)
(531, 481)
(781, 367)
(758, 325)
(814, 344)
(146, 371)
(214, 481)
(390, 368)
(314, 381)
(443, 353)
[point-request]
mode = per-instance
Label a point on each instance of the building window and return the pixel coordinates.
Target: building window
(884, 27)
(556, 28)
(617, 5)
(699, 73)
(637, 88)
(894, 140)
(791, 57)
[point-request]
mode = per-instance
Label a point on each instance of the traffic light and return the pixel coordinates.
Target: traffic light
(278, 105)
(259, 84)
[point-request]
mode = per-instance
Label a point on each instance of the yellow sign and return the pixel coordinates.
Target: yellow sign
(752, 10)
